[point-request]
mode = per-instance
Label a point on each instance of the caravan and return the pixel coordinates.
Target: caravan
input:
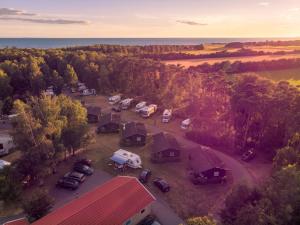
(6, 144)
(123, 157)
(185, 124)
(140, 105)
(114, 99)
(167, 114)
(126, 103)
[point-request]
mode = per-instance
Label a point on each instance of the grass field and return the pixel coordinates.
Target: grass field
(195, 62)
(288, 74)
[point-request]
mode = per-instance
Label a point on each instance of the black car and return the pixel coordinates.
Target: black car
(248, 155)
(144, 176)
(161, 184)
(85, 161)
(81, 168)
(67, 183)
(79, 177)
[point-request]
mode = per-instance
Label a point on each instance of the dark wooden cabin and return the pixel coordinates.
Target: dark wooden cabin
(133, 134)
(109, 123)
(93, 114)
(165, 148)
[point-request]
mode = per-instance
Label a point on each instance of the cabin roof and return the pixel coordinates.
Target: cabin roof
(109, 118)
(163, 141)
(133, 128)
(93, 110)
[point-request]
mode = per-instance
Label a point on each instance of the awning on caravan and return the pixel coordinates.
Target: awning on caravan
(119, 159)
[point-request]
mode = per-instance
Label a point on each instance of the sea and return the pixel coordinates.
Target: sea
(45, 43)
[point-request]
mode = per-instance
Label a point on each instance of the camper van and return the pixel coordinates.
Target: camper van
(147, 111)
(130, 159)
(140, 105)
(167, 114)
(126, 103)
(87, 92)
(6, 144)
(185, 124)
(114, 99)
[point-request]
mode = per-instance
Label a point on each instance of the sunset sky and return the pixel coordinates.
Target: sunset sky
(149, 18)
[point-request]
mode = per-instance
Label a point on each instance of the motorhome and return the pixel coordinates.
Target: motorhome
(126, 103)
(140, 105)
(87, 92)
(185, 124)
(167, 115)
(114, 99)
(125, 157)
(147, 111)
(6, 144)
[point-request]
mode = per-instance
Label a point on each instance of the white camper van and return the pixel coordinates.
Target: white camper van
(148, 110)
(114, 99)
(4, 163)
(6, 144)
(185, 124)
(140, 105)
(125, 104)
(167, 114)
(125, 157)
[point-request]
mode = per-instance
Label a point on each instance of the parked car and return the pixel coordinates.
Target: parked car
(85, 161)
(248, 155)
(148, 220)
(144, 176)
(80, 177)
(116, 108)
(161, 184)
(81, 168)
(67, 183)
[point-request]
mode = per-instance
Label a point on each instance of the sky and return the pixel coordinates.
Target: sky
(149, 18)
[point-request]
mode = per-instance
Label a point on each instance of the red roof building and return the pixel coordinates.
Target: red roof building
(120, 201)
(22, 221)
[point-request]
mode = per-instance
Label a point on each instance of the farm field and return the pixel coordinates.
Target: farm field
(288, 74)
(195, 62)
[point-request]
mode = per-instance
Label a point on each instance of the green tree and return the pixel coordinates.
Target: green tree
(204, 220)
(10, 187)
(37, 205)
(5, 88)
(70, 75)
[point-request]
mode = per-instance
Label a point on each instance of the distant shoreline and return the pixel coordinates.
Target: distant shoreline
(45, 43)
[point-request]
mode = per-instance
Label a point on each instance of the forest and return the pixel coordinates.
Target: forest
(239, 112)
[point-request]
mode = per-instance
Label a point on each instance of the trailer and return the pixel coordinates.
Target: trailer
(167, 115)
(114, 99)
(88, 92)
(126, 158)
(149, 110)
(126, 103)
(140, 105)
(6, 144)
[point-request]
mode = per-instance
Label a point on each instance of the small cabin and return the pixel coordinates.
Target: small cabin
(165, 148)
(205, 167)
(109, 123)
(93, 114)
(133, 134)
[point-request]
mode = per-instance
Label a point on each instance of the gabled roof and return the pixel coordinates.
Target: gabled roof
(202, 160)
(112, 203)
(109, 118)
(21, 221)
(163, 141)
(133, 128)
(93, 110)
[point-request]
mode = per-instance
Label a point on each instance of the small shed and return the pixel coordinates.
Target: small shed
(205, 166)
(133, 134)
(109, 123)
(165, 148)
(93, 114)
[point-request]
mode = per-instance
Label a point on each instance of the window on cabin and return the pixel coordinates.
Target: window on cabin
(216, 173)
(172, 154)
(138, 139)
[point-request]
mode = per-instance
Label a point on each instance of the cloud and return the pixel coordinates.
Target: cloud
(294, 9)
(191, 23)
(264, 4)
(45, 21)
(14, 12)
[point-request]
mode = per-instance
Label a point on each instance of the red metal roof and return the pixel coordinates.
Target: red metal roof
(22, 221)
(112, 203)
